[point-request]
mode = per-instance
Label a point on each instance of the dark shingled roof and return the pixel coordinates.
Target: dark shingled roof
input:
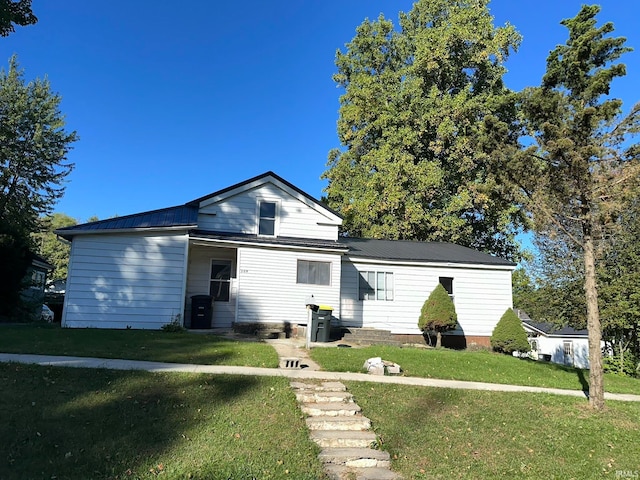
(549, 328)
(284, 241)
(182, 215)
(404, 250)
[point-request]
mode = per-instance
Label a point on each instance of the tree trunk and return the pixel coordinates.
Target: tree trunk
(596, 385)
(438, 339)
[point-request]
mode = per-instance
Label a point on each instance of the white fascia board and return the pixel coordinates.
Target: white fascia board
(416, 263)
(334, 220)
(182, 228)
(248, 243)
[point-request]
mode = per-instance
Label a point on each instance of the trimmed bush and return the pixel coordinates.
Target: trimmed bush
(509, 335)
(438, 314)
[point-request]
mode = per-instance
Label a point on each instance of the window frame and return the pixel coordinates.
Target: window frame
(450, 281)
(273, 219)
(376, 291)
(317, 275)
(220, 281)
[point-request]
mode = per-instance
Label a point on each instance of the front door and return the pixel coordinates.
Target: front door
(220, 288)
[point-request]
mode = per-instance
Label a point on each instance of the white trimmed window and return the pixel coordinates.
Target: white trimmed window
(567, 347)
(267, 218)
(314, 273)
(375, 286)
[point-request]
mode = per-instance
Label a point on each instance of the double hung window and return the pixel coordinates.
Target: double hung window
(375, 286)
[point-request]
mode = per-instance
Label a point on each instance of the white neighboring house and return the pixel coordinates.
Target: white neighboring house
(261, 249)
(563, 345)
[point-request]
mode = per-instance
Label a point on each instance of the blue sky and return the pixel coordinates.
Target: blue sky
(175, 100)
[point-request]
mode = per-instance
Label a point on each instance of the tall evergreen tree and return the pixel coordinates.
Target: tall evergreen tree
(573, 179)
(412, 164)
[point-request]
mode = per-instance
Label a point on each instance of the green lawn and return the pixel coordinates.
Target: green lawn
(135, 345)
(442, 433)
(478, 366)
(62, 423)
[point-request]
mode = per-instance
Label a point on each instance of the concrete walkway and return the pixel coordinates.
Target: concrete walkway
(116, 364)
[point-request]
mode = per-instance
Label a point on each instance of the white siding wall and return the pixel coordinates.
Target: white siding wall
(198, 282)
(481, 297)
(129, 280)
(239, 214)
(268, 291)
(554, 346)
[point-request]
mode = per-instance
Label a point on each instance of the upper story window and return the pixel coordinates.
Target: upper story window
(267, 220)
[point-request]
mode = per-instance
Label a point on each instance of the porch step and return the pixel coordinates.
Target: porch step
(370, 336)
(355, 457)
(330, 409)
(341, 472)
(343, 439)
(352, 422)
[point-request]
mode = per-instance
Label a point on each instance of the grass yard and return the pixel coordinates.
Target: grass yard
(443, 433)
(153, 345)
(101, 424)
(478, 366)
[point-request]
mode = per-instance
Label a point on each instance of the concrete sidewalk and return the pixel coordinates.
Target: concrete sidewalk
(117, 364)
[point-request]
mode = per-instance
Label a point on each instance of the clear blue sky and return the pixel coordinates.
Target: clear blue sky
(174, 100)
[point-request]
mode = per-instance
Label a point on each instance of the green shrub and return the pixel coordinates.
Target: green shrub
(438, 314)
(509, 335)
(175, 325)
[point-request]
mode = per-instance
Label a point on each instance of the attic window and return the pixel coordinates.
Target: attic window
(267, 221)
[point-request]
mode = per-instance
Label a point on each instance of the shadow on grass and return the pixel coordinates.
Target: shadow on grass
(77, 423)
(135, 345)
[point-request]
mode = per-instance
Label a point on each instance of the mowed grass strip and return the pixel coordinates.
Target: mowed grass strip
(475, 366)
(445, 433)
(151, 345)
(102, 424)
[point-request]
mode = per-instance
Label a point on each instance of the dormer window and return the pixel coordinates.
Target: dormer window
(267, 221)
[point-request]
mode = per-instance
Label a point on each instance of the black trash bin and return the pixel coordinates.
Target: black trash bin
(201, 310)
(321, 324)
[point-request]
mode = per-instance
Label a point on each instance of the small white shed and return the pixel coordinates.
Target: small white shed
(563, 345)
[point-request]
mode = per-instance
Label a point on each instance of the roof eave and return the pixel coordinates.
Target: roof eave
(69, 234)
(431, 263)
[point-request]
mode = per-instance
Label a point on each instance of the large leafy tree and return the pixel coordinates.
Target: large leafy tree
(575, 174)
(33, 162)
(412, 164)
(619, 276)
(49, 246)
(15, 12)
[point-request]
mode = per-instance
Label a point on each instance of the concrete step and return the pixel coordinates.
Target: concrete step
(343, 439)
(370, 336)
(340, 472)
(330, 409)
(355, 457)
(309, 396)
(323, 387)
(352, 422)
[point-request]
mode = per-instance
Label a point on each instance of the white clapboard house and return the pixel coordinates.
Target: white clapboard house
(262, 248)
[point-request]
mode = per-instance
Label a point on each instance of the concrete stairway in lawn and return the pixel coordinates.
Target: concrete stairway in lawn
(369, 336)
(338, 427)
